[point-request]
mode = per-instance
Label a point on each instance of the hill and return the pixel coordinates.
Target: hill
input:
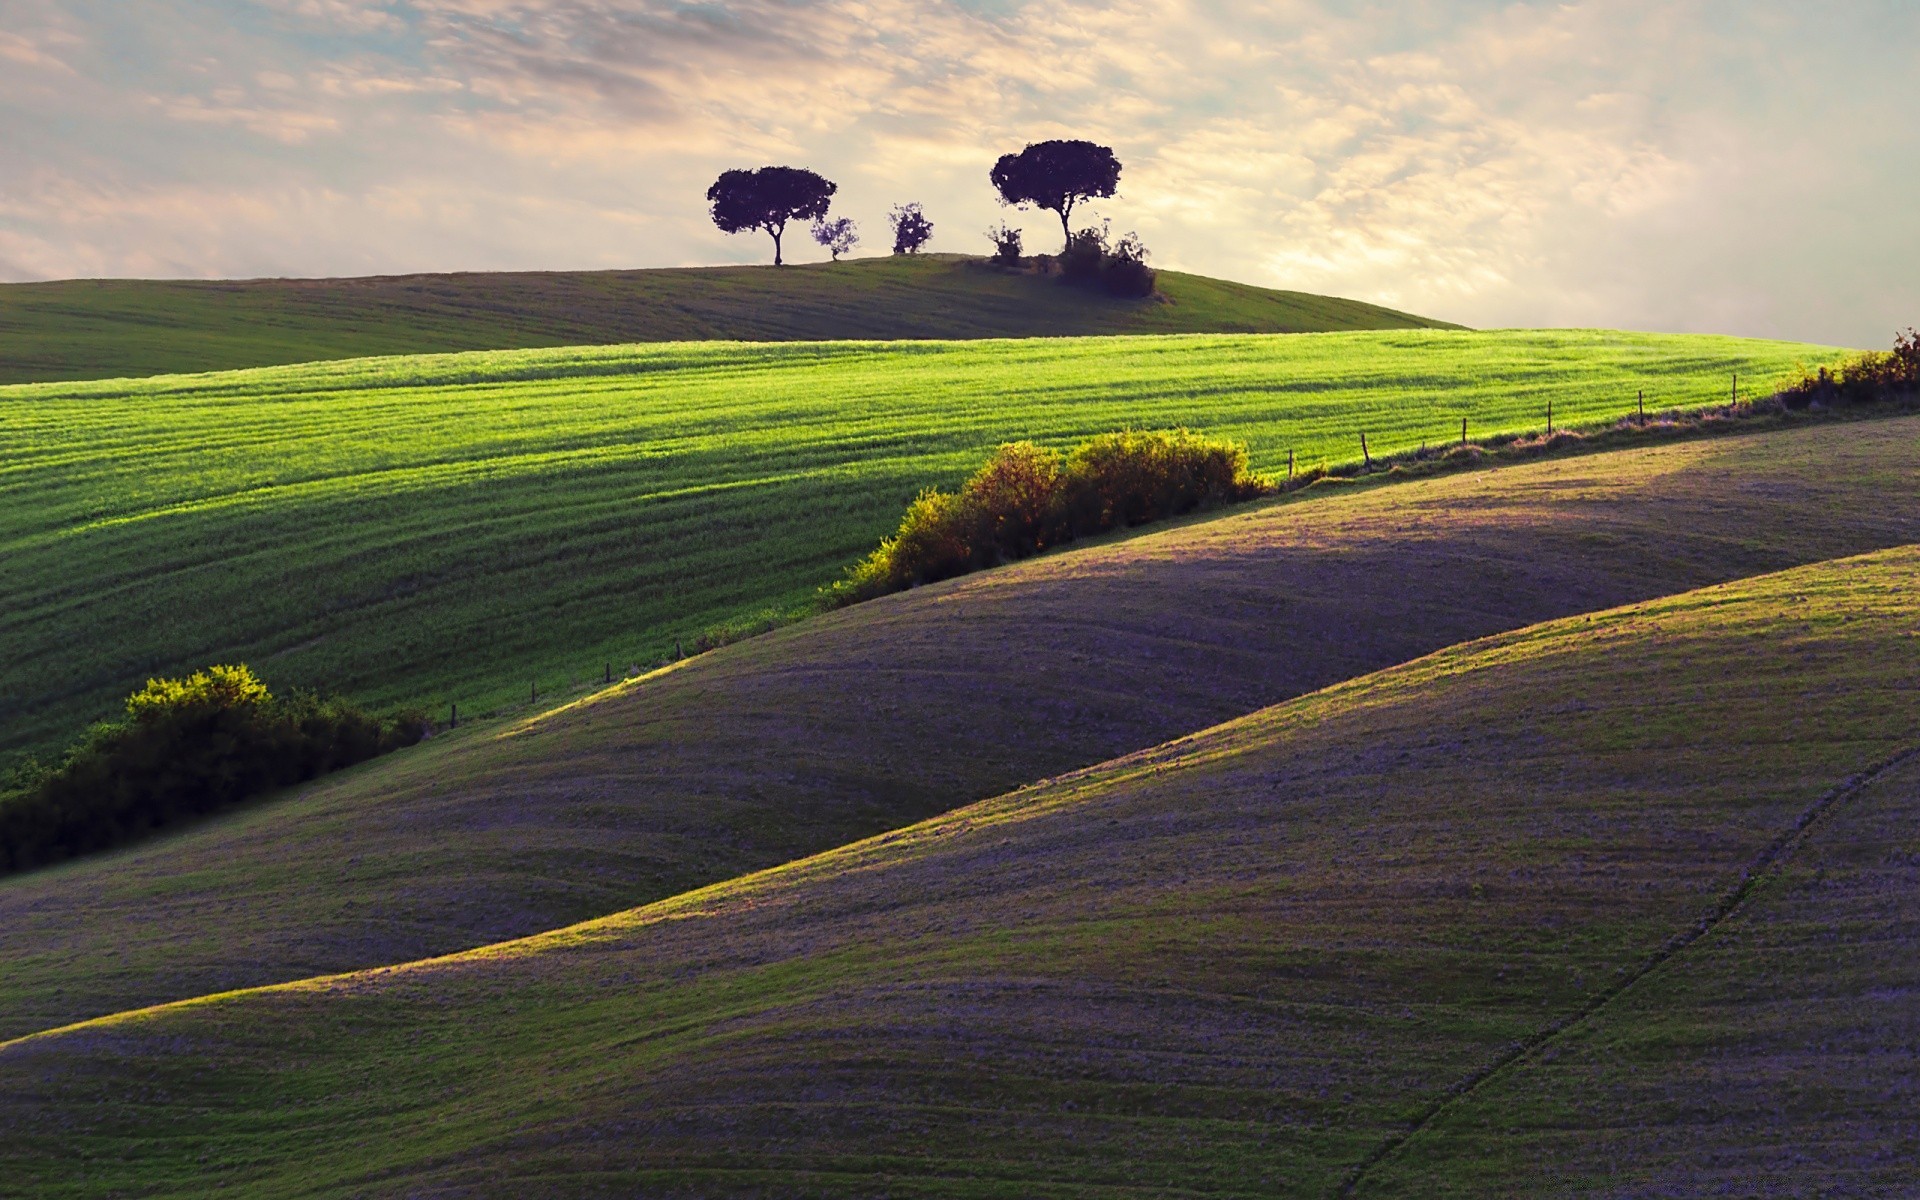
(456, 529)
(869, 718)
(1247, 963)
(105, 328)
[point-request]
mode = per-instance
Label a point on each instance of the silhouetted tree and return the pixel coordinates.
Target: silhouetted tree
(838, 236)
(767, 199)
(1056, 175)
(911, 229)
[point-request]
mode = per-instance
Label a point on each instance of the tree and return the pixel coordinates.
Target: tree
(1056, 175)
(767, 199)
(838, 236)
(911, 229)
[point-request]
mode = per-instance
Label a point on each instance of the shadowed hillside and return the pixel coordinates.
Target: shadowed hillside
(1243, 964)
(879, 715)
(102, 329)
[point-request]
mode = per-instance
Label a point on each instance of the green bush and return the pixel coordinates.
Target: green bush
(188, 747)
(1875, 375)
(1027, 499)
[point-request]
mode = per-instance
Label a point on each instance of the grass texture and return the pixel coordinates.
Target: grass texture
(102, 329)
(870, 718)
(1235, 965)
(436, 530)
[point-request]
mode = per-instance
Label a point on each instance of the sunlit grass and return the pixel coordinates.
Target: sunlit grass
(463, 528)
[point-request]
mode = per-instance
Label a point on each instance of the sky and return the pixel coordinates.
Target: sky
(1688, 165)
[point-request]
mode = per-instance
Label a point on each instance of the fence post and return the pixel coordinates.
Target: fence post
(1463, 433)
(1549, 418)
(1736, 388)
(1289, 464)
(1364, 453)
(533, 692)
(678, 654)
(609, 678)
(453, 718)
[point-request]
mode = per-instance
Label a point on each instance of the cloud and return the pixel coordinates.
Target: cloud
(1626, 163)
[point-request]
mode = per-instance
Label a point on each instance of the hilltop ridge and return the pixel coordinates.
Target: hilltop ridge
(108, 328)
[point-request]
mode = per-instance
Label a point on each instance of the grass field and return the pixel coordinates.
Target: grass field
(1237, 965)
(101, 329)
(455, 529)
(869, 718)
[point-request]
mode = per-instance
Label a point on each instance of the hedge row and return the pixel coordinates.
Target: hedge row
(1027, 499)
(1875, 375)
(187, 747)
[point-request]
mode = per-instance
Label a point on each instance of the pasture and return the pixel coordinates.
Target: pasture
(869, 718)
(1245, 963)
(477, 528)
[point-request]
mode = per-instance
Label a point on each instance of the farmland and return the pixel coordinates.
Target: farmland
(870, 718)
(469, 528)
(1241, 963)
(103, 328)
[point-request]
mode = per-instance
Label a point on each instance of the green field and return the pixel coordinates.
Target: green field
(447, 529)
(870, 718)
(100, 329)
(1242, 964)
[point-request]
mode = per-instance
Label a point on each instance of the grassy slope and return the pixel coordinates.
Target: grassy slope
(1781, 1048)
(100, 329)
(878, 715)
(449, 529)
(1230, 966)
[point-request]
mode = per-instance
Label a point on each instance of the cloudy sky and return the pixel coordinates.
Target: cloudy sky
(1717, 165)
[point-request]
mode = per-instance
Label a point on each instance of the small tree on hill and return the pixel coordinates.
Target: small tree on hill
(1056, 175)
(767, 199)
(911, 229)
(838, 236)
(1006, 244)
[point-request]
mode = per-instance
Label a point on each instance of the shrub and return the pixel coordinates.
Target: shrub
(1865, 378)
(1091, 257)
(1006, 244)
(188, 747)
(1123, 479)
(1027, 498)
(1085, 252)
(911, 228)
(1126, 272)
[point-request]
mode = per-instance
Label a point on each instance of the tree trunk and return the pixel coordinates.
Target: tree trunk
(1065, 228)
(776, 247)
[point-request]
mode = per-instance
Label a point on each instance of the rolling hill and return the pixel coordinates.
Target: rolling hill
(869, 718)
(460, 529)
(1281, 957)
(100, 329)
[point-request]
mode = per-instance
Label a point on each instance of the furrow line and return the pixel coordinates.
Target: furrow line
(1525, 1049)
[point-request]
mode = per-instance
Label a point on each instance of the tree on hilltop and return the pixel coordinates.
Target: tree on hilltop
(838, 236)
(1056, 175)
(911, 229)
(767, 199)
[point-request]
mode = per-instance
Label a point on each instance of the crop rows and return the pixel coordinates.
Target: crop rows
(457, 528)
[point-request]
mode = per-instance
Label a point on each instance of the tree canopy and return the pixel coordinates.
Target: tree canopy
(767, 199)
(1057, 175)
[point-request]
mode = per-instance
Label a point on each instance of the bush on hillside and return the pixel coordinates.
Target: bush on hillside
(1126, 272)
(1027, 499)
(1085, 253)
(187, 747)
(1864, 378)
(1093, 259)
(1007, 245)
